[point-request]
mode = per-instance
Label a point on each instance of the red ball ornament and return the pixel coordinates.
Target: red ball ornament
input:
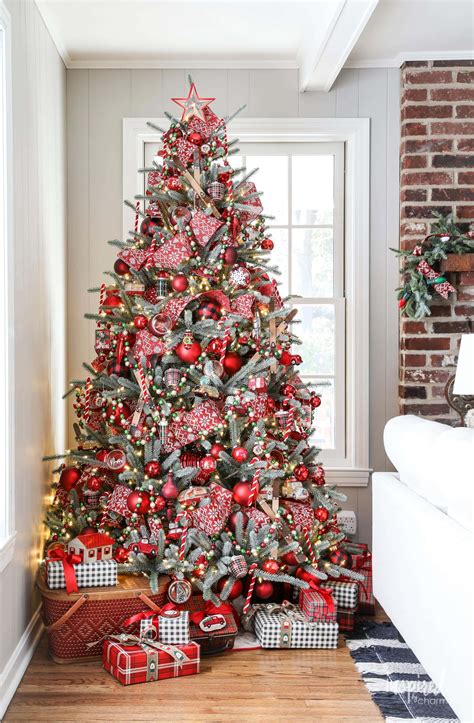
(235, 591)
(174, 184)
(232, 363)
(195, 138)
(288, 390)
(216, 449)
(153, 468)
(208, 464)
(321, 514)
(121, 555)
(112, 302)
(115, 414)
(301, 472)
(139, 501)
(179, 283)
(121, 268)
(94, 484)
(315, 401)
(232, 522)
(160, 503)
(241, 493)
(140, 322)
(263, 590)
(230, 255)
(240, 454)
(101, 454)
(271, 566)
(214, 346)
(289, 559)
(402, 303)
(286, 358)
(267, 244)
(69, 477)
(189, 350)
(341, 558)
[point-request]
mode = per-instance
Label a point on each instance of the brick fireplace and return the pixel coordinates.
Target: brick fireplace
(437, 174)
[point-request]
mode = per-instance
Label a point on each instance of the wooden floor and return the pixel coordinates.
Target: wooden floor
(254, 686)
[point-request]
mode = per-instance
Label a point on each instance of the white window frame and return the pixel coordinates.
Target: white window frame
(354, 470)
(7, 385)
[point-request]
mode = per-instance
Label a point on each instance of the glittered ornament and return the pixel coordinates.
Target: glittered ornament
(208, 464)
(267, 244)
(69, 478)
(232, 362)
(241, 493)
(189, 350)
(271, 566)
(121, 555)
(159, 503)
(235, 591)
(195, 138)
(94, 484)
(341, 558)
(263, 590)
(174, 184)
(138, 501)
(301, 472)
(321, 514)
(179, 283)
(315, 401)
(153, 468)
(240, 277)
(140, 322)
(121, 268)
(240, 454)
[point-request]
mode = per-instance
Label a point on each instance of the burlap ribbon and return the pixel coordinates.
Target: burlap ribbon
(127, 639)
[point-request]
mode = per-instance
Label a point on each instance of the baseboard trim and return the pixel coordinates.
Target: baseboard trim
(14, 670)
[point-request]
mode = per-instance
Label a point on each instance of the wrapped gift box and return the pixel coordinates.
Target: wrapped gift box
(318, 605)
(214, 628)
(144, 662)
(275, 628)
(91, 574)
(346, 594)
(168, 627)
(346, 618)
(362, 562)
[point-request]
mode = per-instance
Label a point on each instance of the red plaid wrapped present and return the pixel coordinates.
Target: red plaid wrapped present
(213, 627)
(318, 605)
(346, 618)
(362, 562)
(131, 660)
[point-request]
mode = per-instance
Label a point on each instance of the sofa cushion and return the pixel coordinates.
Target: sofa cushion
(436, 461)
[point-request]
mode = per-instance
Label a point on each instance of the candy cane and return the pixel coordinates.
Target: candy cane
(150, 260)
(289, 423)
(87, 400)
(102, 294)
(225, 344)
(184, 535)
(254, 487)
(309, 545)
(137, 208)
(140, 374)
(252, 569)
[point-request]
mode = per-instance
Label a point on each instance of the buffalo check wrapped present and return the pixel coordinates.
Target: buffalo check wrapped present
(285, 626)
(169, 626)
(318, 605)
(346, 594)
(132, 660)
(63, 573)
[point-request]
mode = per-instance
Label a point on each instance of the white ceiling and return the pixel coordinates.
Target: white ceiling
(316, 36)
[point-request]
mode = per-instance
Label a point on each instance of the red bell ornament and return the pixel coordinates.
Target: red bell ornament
(241, 493)
(139, 501)
(232, 363)
(240, 454)
(69, 478)
(153, 468)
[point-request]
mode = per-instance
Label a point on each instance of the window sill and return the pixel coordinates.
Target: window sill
(7, 548)
(347, 477)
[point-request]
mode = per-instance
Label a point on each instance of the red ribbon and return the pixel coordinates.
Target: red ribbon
(325, 594)
(68, 560)
(211, 609)
(150, 614)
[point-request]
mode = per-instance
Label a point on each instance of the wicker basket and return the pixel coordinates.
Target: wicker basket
(73, 621)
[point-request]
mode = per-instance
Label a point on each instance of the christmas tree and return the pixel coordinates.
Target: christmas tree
(193, 428)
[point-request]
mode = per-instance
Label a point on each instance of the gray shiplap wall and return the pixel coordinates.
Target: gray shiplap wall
(39, 287)
(97, 102)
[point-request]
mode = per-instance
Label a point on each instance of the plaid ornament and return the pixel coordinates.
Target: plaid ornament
(318, 605)
(133, 662)
(284, 626)
(346, 594)
(238, 566)
(216, 190)
(92, 574)
(208, 309)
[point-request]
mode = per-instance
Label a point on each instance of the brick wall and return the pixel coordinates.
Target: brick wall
(437, 173)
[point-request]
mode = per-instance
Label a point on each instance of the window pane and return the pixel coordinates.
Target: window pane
(323, 418)
(317, 332)
(279, 257)
(312, 189)
(312, 272)
(272, 179)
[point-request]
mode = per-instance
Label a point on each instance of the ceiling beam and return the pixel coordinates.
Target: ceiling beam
(319, 67)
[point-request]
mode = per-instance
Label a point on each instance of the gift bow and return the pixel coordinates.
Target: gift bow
(285, 610)
(211, 609)
(127, 639)
(68, 560)
(145, 614)
(325, 594)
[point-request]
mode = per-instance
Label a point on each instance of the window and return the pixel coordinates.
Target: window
(314, 174)
(7, 533)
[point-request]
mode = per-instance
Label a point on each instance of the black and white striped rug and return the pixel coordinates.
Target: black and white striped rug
(397, 682)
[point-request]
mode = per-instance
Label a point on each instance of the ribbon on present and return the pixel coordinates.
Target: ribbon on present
(127, 639)
(145, 614)
(287, 614)
(443, 287)
(68, 560)
(324, 594)
(211, 609)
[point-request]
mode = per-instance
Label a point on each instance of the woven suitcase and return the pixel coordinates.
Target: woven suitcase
(73, 621)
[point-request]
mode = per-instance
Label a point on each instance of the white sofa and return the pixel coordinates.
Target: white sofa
(422, 549)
